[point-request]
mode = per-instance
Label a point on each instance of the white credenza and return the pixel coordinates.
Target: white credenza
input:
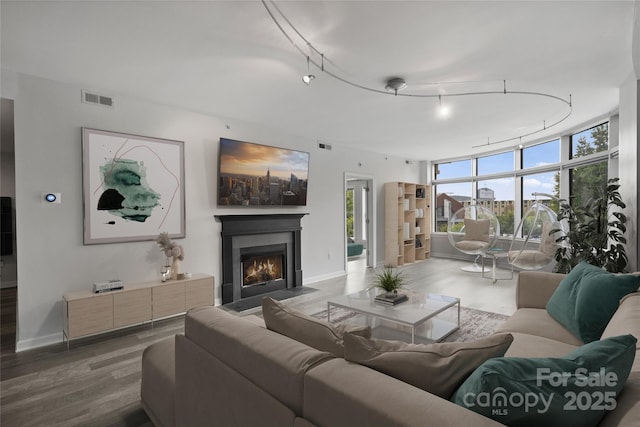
(87, 313)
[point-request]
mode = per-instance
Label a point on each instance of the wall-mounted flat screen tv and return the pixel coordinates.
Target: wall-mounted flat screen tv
(260, 175)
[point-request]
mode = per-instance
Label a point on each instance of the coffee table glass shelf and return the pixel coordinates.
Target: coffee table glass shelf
(424, 318)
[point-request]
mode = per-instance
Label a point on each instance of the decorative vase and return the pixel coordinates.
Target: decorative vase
(165, 272)
(175, 268)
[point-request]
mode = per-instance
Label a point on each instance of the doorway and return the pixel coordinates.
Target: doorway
(8, 257)
(360, 222)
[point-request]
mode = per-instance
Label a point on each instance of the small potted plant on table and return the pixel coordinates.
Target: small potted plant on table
(389, 281)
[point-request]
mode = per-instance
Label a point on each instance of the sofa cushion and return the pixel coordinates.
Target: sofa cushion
(211, 393)
(525, 345)
(627, 411)
(313, 332)
(436, 368)
(471, 245)
(476, 229)
(158, 382)
(587, 298)
(576, 390)
(530, 258)
(548, 245)
(536, 321)
(626, 320)
(255, 320)
(271, 361)
(343, 394)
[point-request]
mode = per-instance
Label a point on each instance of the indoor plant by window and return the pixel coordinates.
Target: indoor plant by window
(596, 231)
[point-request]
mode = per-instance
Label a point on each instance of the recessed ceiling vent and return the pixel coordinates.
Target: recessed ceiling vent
(97, 99)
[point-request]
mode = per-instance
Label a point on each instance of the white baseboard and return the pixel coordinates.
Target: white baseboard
(32, 343)
(322, 277)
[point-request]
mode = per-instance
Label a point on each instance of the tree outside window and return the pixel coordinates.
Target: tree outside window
(585, 179)
(349, 200)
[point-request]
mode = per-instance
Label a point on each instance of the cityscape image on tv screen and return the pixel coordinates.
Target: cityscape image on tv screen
(260, 175)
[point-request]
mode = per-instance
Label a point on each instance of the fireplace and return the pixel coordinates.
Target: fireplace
(263, 265)
(260, 254)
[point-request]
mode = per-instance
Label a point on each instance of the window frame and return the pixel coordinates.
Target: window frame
(563, 166)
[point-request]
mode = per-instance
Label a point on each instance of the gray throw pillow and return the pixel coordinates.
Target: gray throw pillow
(437, 368)
(308, 330)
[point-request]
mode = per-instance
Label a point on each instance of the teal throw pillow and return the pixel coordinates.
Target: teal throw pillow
(575, 390)
(587, 298)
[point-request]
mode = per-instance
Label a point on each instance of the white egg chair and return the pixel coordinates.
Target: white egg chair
(473, 230)
(540, 231)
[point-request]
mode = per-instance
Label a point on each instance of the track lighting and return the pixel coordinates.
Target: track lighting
(443, 110)
(308, 77)
(394, 85)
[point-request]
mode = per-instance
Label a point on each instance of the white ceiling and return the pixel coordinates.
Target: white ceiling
(230, 60)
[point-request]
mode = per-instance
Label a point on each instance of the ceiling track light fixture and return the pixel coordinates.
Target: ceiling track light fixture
(389, 87)
(395, 84)
(308, 77)
(443, 110)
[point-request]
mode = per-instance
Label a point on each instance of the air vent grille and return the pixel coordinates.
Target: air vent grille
(106, 101)
(97, 99)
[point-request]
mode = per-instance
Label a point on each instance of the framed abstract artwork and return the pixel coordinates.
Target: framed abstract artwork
(133, 187)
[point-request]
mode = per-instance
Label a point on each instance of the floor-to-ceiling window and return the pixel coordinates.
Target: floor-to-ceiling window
(509, 181)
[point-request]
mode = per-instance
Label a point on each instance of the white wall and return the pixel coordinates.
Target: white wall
(629, 150)
(52, 259)
(628, 162)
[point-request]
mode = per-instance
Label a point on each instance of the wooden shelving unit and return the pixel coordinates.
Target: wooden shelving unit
(407, 236)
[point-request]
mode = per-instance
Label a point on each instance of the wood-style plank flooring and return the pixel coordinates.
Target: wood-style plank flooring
(8, 301)
(97, 382)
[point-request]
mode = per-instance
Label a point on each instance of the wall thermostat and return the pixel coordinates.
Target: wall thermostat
(51, 198)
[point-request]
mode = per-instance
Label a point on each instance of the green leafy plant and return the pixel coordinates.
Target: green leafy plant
(596, 231)
(388, 280)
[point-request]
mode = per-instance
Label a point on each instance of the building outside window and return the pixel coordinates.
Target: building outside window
(498, 195)
(449, 199)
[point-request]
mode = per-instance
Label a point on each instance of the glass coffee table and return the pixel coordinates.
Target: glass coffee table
(424, 318)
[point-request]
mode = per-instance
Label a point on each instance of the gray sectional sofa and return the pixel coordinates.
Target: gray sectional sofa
(231, 371)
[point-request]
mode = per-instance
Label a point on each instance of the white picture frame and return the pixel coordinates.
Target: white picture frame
(133, 187)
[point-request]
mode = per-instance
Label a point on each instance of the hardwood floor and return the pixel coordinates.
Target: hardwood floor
(97, 382)
(8, 300)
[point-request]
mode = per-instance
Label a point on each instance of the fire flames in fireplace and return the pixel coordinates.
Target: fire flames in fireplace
(258, 270)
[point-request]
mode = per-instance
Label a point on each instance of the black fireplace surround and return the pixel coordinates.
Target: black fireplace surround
(258, 234)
